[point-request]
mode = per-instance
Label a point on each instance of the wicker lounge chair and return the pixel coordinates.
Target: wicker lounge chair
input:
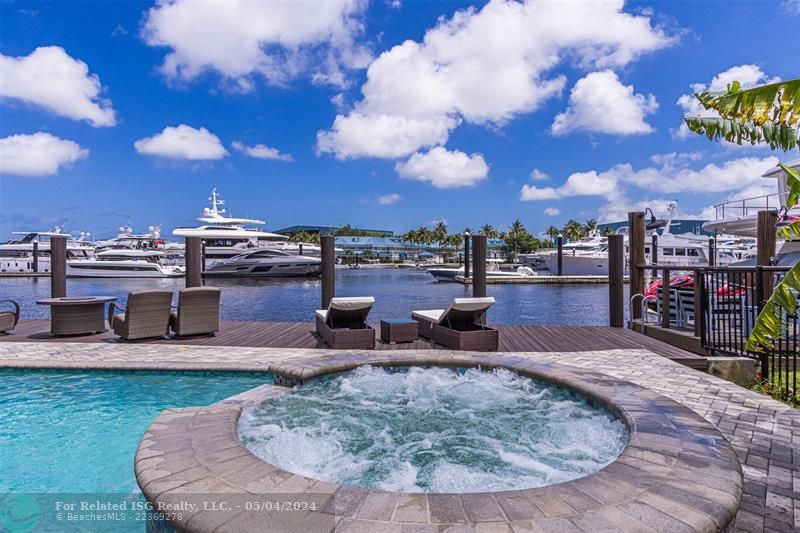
(197, 312)
(461, 326)
(146, 316)
(343, 326)
(9, 319)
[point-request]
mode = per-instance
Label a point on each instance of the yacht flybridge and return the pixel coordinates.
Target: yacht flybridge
(16, 255)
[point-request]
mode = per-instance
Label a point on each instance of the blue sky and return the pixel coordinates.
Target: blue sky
(501, 112)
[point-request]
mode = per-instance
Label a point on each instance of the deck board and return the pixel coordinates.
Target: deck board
(513, 338)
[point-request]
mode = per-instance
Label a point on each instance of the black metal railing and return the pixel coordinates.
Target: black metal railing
(724, 305)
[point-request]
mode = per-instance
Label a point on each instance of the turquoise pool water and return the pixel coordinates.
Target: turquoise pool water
(77, 432)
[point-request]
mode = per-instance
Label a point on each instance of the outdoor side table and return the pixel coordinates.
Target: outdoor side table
(399, 330)
(77, 315)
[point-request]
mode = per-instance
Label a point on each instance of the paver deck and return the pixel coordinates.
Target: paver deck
(764, 433)
(513, 338)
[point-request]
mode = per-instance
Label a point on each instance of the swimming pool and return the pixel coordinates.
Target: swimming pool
(77, 431)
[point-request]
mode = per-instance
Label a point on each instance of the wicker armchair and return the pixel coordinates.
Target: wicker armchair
(9, 319)
(343, 326)
(461, 326)
(146, 316)
(197, 312)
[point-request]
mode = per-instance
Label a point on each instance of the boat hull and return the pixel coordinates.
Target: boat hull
(578, 265)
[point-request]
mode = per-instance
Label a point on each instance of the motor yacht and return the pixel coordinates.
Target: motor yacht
(266, 263)
(226, 237)
(16, 255)
(123, 263)
(126, 239)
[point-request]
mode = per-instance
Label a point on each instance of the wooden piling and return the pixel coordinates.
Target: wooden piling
(616, 275)
(636, 257)
(328, 269)
(203, 262)
(58, 267)
(35, 256)
(765, 246)
(699, 303)
(479, 266)
(466, 254)
(712, 252)
(560, 258)
(193, 251)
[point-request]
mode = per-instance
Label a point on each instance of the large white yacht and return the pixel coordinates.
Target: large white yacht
(16, 255)
(123, 263)
(266, 263)
(126, 239)
(740, 217)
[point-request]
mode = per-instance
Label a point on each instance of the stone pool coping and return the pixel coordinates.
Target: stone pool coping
(677, 473)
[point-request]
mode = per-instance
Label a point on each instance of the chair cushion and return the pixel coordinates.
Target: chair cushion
(472, 304)
(322, 313)
(431, 315)
(352, 303)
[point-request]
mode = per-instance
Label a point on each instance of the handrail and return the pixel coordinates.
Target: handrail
(765, 268)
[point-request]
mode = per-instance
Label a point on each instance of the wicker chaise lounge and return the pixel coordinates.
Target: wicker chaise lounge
(146, 316)
(343, 326)
(9, 319)
(461, 326)
(197, 312)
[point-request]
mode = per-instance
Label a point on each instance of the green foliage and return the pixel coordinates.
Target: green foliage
(349, 231)
(519, 240)
(305, 236)
(769, 114)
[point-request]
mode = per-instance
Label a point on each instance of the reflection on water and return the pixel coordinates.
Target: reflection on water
(397, 292)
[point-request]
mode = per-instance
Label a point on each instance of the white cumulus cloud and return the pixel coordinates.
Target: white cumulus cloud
(389, 199)
(37, 154)
(261, 151)
(182, 142)
(538, 175)
(483, 66)
(600, 103)
(444, 169)
(552, 211)
(239, 39)
(747, 75)
(49, 78)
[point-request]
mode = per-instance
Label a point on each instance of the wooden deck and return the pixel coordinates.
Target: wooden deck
(513, 338)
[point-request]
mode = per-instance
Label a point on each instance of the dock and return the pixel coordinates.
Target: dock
(534, 280)
(24, 274)
(513, 338)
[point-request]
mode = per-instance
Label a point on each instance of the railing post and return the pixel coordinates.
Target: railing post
(560, 258)
(616, 274)
(327, 249)
(203, 261)
(654, 253)
(479, 266)
(35, 264)
(58, 267)
(699, 304)
(194, 261)
(300, 249)
(765, 245)
(665, 298)
(636, 257)
(466, 255)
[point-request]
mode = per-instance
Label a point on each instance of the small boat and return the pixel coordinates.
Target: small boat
(266, 263)
(123, 263)
(492, 272)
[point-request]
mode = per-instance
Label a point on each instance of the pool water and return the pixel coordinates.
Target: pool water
(77, 432)
(433, 430)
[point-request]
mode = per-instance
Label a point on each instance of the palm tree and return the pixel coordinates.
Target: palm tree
(489, 231)
(770, 114)
(573, 230)
(439, 232)
(590, 226)
(552, 232)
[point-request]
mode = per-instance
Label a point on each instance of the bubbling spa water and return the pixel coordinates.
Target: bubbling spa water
(433, 430)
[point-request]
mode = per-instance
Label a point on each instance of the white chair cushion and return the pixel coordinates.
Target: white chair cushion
(431, 315)
(472, 304)
(322, 313)
(352, 303)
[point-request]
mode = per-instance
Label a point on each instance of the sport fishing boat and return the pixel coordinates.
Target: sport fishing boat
(266, 263)
(123, 263)
(449, 275)
(16, 255)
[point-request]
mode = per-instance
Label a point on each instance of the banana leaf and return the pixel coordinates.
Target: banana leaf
(770, 325)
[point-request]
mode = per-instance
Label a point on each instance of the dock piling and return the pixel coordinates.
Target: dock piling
(35, 257)
(616, 274)
(765, 246)
(712, 252)
(479, 266)
(665, 297)
(560, 262)
(636, 233)
(328, 269)
(194, 261)
(58, 267)
(466, 254)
